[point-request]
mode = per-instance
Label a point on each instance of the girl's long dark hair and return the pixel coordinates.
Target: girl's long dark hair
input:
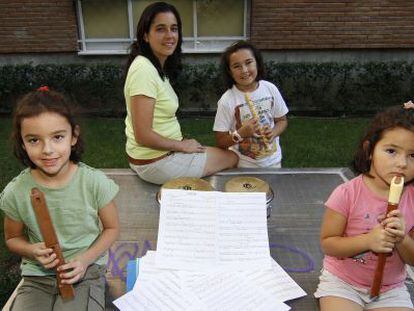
(34, 104)
(225, 61)
(392, 117)
(173, 63)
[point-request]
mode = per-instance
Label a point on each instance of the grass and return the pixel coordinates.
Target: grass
(308, 142)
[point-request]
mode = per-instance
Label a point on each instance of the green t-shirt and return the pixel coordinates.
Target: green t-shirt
(72, 208)
(143, 79)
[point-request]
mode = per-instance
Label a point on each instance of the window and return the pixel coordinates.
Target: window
(109, 26)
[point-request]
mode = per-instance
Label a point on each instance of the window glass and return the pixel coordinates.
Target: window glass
(105, 18)
(184, 8)
(107, 24)
(220, 18)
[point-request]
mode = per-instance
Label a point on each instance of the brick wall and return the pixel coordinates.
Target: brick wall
(37, 26)
(330, 24)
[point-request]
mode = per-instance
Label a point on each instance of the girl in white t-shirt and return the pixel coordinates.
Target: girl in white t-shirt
(251, 114)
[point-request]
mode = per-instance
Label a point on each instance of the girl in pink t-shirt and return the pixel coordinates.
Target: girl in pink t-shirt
(355, 227)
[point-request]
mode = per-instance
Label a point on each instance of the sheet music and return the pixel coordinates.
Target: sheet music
(187, 229)
(227, 291)
(148, 269)
(163, 285)
(276, 282)
(242, 230)
(128, 302)
(157, 294)
(165, 289)
(212, 254)
(200, 230)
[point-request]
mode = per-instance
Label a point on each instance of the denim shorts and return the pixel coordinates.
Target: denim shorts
(175, 165)
(331, 285)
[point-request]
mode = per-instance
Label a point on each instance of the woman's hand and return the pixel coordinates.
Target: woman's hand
(191, 146)
(72, 272)
(44, 255)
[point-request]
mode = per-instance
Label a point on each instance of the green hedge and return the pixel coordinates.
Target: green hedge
(350, 88)
(326, 88)
(94, 88)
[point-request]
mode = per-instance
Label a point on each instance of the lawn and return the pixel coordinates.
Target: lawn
(308, 142)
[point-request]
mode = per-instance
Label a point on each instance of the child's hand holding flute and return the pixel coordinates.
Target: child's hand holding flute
(264, 132)
(394, 227)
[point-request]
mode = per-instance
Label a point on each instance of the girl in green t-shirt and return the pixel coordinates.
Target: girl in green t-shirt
(47, 140)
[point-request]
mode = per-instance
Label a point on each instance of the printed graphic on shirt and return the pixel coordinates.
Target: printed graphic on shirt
(254, 147)
(370, 256)
(360, 258)
(364, 257)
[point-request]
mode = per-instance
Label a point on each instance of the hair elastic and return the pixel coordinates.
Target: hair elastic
(43, 88)
(408, 105)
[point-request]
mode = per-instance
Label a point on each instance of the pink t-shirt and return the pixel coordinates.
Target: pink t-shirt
(361, 207)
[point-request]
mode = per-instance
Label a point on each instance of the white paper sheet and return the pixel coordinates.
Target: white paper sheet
(127, 302)
(227, 291)
(157, 294)
(201, 230)
(187, 229)
(242, 230)
(209, 247)
(161, 289)
(276, 282)
(163, 286)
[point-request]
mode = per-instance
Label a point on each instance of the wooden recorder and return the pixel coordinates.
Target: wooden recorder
(256, 117)
(49, 236)
(393, 201)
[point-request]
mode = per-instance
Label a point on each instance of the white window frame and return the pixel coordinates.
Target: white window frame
(119, 46)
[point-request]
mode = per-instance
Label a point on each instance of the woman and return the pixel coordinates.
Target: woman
(155, 146)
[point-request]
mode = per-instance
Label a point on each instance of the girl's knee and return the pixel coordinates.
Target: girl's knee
(233, 158)
(218, 160)
(227, 158)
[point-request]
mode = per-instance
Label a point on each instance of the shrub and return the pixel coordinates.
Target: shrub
(325, 88)
(352, 88)
(93, 88)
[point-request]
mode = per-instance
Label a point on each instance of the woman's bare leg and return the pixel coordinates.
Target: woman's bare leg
(218, 160)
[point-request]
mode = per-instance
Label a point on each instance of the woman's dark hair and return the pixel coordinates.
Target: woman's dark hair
(141, 47)
(34, 104)
(392, 117)
(225, 61)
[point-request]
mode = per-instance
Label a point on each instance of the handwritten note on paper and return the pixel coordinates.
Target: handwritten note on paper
(276, 282)
(200, 230)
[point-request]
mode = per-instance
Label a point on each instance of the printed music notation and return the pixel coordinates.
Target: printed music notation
(223, 228)
(212, 254)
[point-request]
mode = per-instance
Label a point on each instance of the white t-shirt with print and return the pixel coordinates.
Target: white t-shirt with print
(269, 105)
